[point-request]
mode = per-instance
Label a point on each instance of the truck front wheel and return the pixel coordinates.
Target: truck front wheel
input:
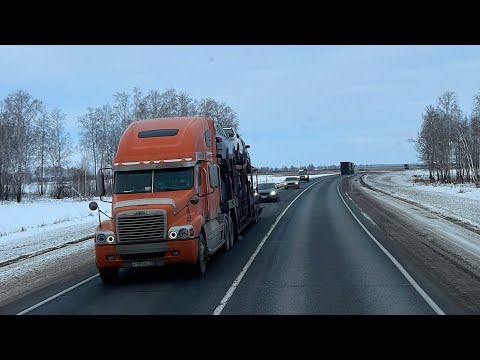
(202, 256)
(109, 275)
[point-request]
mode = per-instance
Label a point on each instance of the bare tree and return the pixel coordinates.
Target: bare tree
(59, 148)
(219, 112)
(122, 108)
(43, 133)
(20, 110)
(426, 141)
(140, 109)
(90, 135)
(186, 105)
(169, 103)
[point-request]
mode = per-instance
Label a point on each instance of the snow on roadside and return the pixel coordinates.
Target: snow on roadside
(25, 276)
(461, 202)
(46, 223)
(450, 236)
(40, 213)
(12, 247)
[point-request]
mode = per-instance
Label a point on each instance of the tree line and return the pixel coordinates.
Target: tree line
(449, 140)
(35, 147)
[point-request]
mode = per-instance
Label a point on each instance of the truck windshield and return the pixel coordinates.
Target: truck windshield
(140, 181)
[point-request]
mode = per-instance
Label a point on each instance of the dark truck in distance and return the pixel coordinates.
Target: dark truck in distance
(346, 168)
(303, 175)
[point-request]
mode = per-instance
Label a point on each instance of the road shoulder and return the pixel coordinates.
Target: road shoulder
(422, 243)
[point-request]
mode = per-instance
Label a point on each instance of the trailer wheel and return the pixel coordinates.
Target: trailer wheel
(109, 275)
(231, 236)
(228, 245)
(236, 236)
(202, 257)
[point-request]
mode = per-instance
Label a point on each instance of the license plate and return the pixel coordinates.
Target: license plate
(143, 263)
(264, 197)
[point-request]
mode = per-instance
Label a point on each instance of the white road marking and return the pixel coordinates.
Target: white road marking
(231, 290)
(363, 213)
(56, 295)
(417, 287)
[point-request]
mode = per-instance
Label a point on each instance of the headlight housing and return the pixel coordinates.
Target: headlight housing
(181, 232)
(104, 237)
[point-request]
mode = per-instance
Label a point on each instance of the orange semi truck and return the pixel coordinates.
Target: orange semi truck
(175, 199)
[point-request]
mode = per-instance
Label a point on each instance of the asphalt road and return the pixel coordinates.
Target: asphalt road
(317, 260)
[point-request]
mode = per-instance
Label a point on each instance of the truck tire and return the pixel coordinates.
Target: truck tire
(231, 236)
(202, 258)
(228, 245)
(236, 236)
(109, 275)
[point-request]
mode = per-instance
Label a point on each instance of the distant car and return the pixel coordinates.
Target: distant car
(303, 175)
(268, 192)
(291, 183)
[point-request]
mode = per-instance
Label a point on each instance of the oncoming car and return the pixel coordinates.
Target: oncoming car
(291, 183)
(268, 192)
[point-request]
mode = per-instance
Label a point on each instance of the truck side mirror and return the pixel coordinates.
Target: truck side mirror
(213, 175)
(93, 206)
(247, 146)
(100, 184)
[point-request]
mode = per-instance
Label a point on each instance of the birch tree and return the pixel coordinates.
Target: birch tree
(20, 110)
(59, 149)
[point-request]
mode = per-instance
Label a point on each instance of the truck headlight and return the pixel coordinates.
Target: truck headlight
(183, 233)
(104, 237)
(296, 183)
(273, 192)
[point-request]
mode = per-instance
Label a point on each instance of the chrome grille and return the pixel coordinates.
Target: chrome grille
(146, 225)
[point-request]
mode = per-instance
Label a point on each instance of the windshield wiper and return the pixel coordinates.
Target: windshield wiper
(166, 189)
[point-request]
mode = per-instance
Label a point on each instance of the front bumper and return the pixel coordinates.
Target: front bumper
(147, 254)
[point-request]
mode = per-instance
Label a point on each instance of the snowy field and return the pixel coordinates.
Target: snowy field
(30, 215)
(461, 202)
(30, 227)
(427, 207)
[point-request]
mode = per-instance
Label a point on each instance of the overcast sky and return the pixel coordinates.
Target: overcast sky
(296, 104)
